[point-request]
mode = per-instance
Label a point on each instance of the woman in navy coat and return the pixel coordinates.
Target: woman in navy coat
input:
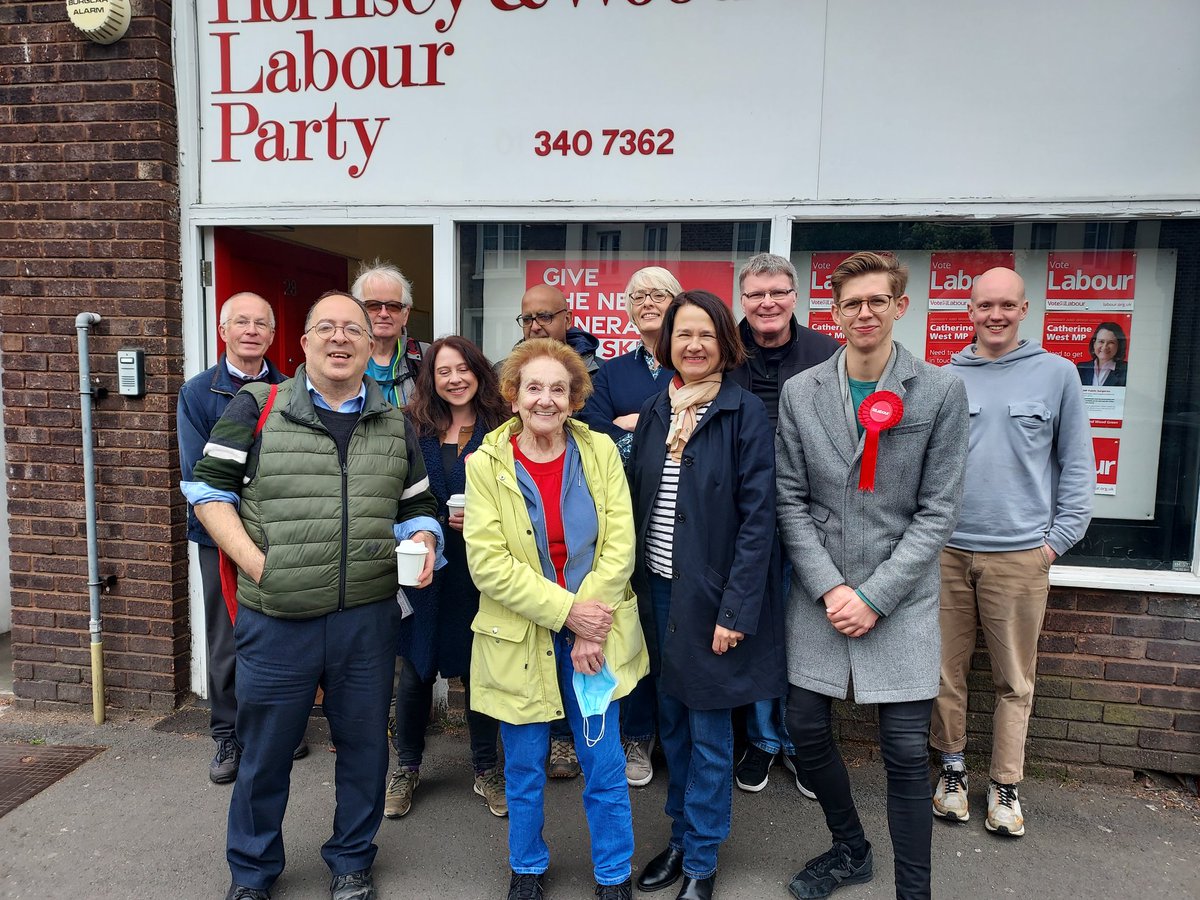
(455, 402)
(703, 481)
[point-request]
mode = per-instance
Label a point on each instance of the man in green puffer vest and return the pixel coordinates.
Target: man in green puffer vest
(309, 500)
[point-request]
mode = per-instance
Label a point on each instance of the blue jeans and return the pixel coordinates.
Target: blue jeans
(280, 663)
(765, 726)
(698, 745)
(605, 792)
(903, 733)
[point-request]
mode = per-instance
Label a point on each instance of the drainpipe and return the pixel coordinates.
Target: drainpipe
(83, 323)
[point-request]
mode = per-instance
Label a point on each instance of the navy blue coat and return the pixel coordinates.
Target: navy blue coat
(621, 387)
(202, 400)
(437, 636)
(726, 561)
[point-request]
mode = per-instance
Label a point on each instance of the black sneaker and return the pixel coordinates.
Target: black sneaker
(241, 892)
(622, 891)
(751, 772)
(224, 766)
(525, 887)
(824, 874)
(790, 763)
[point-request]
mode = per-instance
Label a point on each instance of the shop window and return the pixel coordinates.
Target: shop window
(1141, 276)
(588, 262)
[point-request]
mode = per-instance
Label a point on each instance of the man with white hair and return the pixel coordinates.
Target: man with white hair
(248, 329)
(394, 362)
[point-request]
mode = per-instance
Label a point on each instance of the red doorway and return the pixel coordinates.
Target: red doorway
(288, 276)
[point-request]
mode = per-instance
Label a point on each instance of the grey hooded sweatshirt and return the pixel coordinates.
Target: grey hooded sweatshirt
(1031, 471)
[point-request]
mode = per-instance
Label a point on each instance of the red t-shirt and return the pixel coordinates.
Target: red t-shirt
(548, 477)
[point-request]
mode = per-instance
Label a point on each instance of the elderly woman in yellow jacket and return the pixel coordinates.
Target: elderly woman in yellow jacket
(550, 544)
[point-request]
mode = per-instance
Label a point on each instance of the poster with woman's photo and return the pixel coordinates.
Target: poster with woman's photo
(1098, 345)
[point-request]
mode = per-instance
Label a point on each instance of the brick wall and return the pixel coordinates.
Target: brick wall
(1118, 687)
(89, 221)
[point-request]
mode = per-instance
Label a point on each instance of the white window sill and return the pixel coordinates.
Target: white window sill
(1138, 580)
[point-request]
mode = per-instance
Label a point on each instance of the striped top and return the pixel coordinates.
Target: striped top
(660, 537)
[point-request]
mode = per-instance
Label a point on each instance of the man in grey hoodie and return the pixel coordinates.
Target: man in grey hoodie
(1031, 474)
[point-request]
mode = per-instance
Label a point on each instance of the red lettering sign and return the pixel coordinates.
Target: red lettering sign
(821, 322)
(1082, 279)
(1107, 451)
(819, 286)
(945, 334)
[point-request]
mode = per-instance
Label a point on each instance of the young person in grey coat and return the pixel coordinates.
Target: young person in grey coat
(864, 597)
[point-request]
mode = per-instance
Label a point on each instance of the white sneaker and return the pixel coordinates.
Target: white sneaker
(638, 769)
(1004, 810)
(950, 798)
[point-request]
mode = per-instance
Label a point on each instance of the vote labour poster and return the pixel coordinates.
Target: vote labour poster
(1107, 450)
(952, 274)
(945, 334)
(596, 292)
(820, 287)
(821, 321)
(1089, 321)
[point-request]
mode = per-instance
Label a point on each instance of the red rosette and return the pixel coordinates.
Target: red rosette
(878, 412)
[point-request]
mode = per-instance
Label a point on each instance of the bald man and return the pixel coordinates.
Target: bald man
(247, 326)
(1028, 499)
(545, 313)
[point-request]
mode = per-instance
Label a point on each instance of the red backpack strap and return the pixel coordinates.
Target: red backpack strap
(226, 566)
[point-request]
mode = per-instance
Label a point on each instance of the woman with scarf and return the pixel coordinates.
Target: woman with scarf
(703, 483)
(454, 403)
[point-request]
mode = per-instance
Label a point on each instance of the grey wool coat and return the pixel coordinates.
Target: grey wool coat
(884, 543)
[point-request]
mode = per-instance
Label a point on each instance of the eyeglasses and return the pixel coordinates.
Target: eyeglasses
(246, 322)
(639, 298)
(878, 304)
(760, 296)
(374, 306)
(543, 318)
(326, 330)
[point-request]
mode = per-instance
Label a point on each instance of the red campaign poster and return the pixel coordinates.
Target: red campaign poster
(952, 275)
(596, 292)
(1098, 280)
(820, 289)
(946, 333)
(820, 321)
(1084, 338)
(1107, 450)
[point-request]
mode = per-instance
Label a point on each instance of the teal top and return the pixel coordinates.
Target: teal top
(860, 391)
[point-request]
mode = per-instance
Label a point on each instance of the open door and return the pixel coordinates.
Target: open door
(288, 276)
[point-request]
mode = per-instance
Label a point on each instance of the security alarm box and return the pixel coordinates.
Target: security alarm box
(131, 372)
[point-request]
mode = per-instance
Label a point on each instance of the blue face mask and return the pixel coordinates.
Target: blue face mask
(594, 693)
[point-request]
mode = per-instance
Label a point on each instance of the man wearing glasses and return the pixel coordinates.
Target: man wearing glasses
(871, 451)
(777, 347)
(309, 501)
(394, 362)
(545, 313)
(248, 328)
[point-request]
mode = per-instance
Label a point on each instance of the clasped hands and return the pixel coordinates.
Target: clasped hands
(847, 612)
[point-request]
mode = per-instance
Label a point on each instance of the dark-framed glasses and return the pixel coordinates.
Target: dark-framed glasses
(878, 303)
(542, 318)
(760, 296)
(639, 298)
(326, 330)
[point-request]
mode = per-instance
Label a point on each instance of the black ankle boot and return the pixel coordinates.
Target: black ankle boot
(697, 888)
(662, 871)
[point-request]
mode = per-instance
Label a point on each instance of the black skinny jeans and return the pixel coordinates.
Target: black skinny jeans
(413, 699)
(903, 737)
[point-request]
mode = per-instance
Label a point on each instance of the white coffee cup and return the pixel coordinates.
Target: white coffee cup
(456, 502)
(410, 559)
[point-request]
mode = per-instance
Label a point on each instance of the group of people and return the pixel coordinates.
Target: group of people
(731, 516)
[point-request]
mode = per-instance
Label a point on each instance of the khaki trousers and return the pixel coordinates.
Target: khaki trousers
(1006, 594)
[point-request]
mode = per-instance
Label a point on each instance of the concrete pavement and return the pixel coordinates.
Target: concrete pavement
(142, 820)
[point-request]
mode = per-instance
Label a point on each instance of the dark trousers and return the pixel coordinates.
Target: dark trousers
(903, 732)
(218, 634)
(413, 699)
(281, 662)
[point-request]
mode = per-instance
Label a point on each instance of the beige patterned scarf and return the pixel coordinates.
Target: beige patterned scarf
(685, 398)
